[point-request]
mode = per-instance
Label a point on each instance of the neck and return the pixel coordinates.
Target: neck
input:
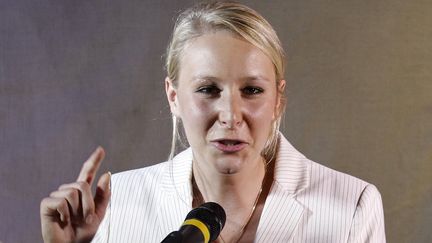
(238, 193)
(230, 190)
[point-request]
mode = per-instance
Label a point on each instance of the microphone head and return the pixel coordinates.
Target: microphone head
(212, 215)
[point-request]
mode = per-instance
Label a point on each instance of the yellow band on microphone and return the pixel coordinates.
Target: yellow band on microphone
(201, 226)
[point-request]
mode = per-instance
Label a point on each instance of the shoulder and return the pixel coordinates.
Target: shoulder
(331, 192)
(308, 179)
(330, 179)
(138, 179)
(179, 168)
(152, 170)
(352, 206)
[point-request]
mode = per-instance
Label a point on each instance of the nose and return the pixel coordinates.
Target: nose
(230, 114)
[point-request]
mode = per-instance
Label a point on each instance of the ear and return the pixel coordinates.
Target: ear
(171, 93)
(280, 102)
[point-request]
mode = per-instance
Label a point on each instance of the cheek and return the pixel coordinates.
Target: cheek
(261, 117)
(263, 109)
(195, 113)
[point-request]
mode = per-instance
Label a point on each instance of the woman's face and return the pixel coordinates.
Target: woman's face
(227, 99)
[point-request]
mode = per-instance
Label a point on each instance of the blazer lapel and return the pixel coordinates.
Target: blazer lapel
(176, 193)
(282, 213)
(280, 217)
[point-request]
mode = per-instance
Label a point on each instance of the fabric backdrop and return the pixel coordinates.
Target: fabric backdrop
(77, 74)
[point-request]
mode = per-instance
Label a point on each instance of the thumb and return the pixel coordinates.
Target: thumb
(103, 194)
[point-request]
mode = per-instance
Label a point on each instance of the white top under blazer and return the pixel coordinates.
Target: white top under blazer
(307, 202)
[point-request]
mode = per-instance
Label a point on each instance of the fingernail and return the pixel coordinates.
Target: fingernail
(98, 149)
(63, 218)
(89, 219)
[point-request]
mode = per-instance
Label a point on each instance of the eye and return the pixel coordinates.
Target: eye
(251, 90)
(209, 90)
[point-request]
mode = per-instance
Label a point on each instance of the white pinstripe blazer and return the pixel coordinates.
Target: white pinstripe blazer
(306, 203)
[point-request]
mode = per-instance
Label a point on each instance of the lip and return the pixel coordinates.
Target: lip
(221, 145)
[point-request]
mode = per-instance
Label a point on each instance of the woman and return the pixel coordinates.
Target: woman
(225, 86)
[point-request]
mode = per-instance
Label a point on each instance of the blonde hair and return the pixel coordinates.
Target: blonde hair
(240, 20)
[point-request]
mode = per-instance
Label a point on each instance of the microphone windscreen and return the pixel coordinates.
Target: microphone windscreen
(211, 214)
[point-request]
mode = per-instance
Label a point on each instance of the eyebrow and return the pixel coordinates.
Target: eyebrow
(257, 77)
(205, 78)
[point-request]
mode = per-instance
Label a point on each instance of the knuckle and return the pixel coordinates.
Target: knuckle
(45, 201)
(62, 186)
(63, 206)
(72, 193)
(83, 185)
(88, 206)
(63, 203)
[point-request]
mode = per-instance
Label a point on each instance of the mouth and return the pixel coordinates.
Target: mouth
(229, 145)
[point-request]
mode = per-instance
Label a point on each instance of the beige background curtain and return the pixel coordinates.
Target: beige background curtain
(77, 74)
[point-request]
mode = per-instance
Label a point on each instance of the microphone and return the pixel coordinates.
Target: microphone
(202, 225)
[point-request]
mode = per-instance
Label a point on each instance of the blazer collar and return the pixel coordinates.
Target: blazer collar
(282, 213)
(292, 169)
(178, 174)
(176, 192)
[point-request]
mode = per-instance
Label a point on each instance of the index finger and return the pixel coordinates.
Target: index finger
(91, 166)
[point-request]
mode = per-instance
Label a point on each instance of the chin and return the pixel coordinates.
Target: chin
(229, 171)
(229, 167)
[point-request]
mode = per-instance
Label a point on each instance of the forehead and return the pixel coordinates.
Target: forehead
(224, 55)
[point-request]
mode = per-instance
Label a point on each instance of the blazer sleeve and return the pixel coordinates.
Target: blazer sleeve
(368, 221)
(102, 234)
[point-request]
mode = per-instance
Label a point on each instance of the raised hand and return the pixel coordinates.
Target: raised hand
(72, 214)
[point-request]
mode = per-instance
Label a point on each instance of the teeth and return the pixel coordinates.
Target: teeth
(229, 143)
